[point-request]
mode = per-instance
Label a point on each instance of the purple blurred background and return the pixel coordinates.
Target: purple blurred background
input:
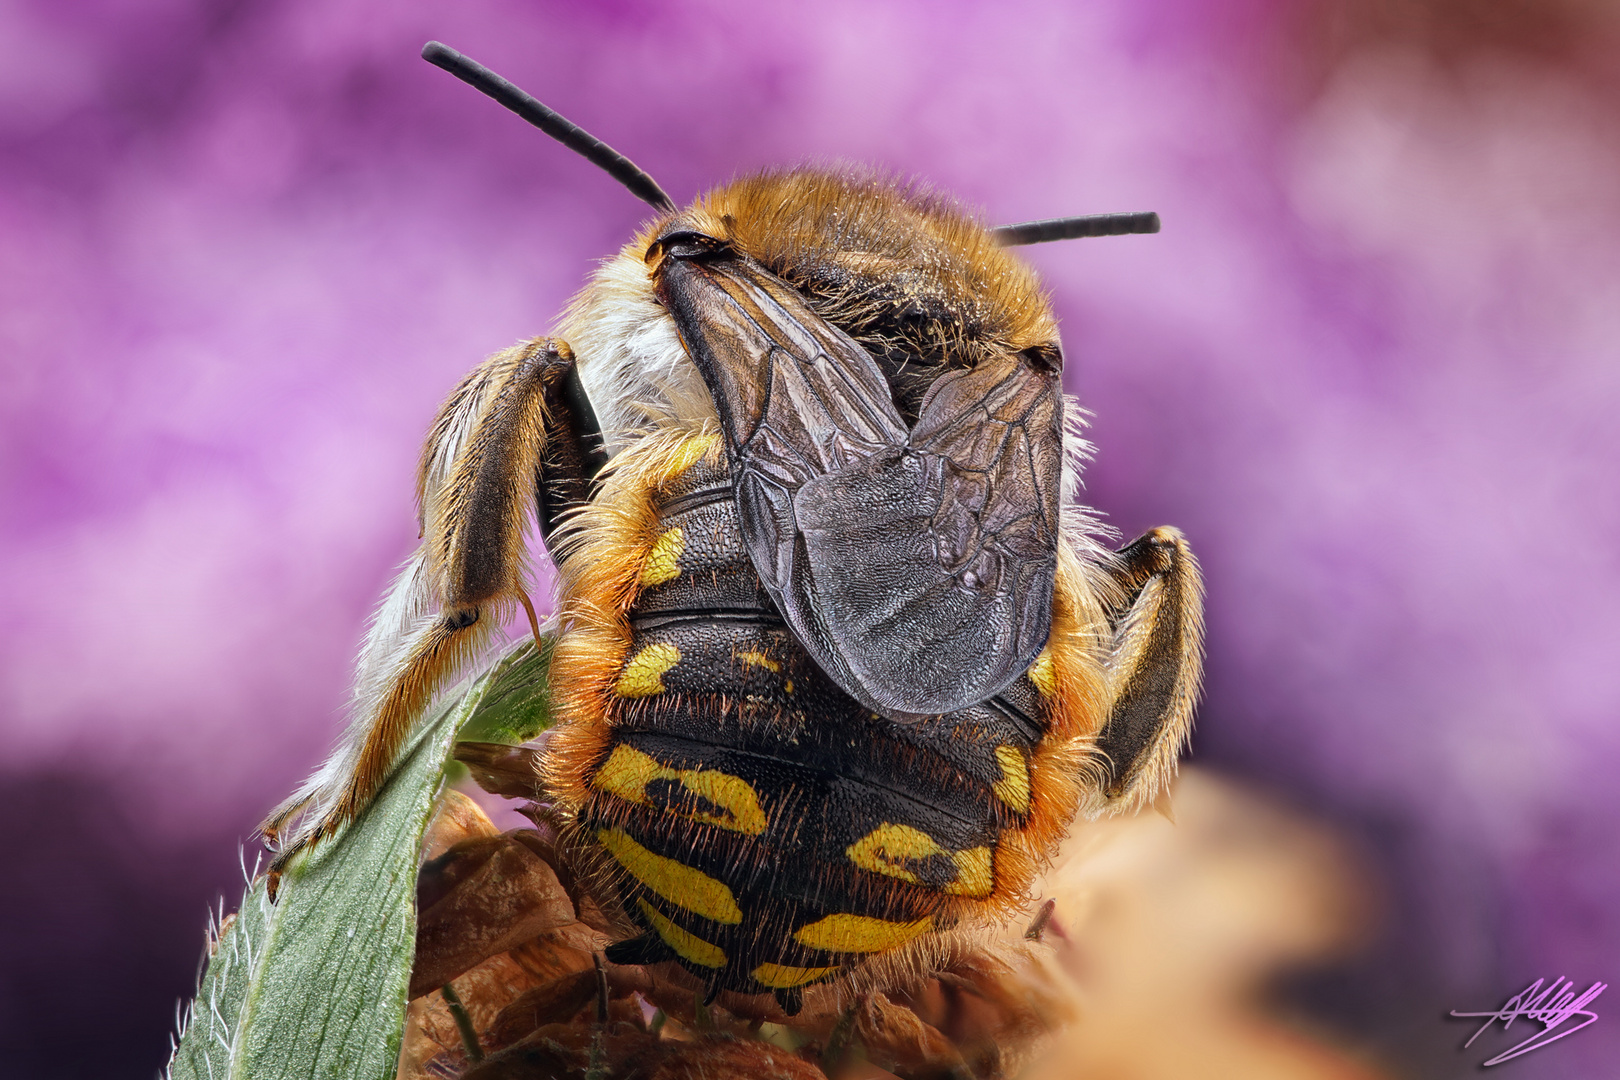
(1371, 367)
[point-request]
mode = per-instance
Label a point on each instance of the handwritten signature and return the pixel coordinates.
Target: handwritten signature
(1551, 1006)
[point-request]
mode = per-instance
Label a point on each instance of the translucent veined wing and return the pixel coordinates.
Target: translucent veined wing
(915, 565)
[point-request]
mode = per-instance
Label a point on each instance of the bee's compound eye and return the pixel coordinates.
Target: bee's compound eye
(687, 244)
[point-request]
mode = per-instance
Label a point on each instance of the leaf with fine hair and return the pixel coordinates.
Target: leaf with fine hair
(313, 986)
(516, 705)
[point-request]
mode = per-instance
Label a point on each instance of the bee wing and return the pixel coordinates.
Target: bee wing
(915, 566)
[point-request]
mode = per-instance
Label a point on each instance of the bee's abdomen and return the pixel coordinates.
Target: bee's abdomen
(771, 831)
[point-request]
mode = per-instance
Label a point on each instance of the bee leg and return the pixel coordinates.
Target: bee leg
(646, 949)
(1154, 665)
(534, 620)
(573, 455)
(511, 439)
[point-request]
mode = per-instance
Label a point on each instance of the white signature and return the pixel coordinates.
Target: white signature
(1551, 1006)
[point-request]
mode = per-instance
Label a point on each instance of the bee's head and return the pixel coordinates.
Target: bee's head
(908, 274)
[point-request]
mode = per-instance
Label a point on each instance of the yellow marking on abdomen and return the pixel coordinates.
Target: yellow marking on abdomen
(887, 848)
(974, 876)
(687, 946)
(759, 659)
(860, 933)
(782, 977)
(627, 772)
(643, 676)
(1043, 673)
(1013, 787)
(730, 793)
(664, 558)
(676, 882)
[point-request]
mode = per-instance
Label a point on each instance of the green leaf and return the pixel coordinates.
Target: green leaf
(314, 985)
(517, 705)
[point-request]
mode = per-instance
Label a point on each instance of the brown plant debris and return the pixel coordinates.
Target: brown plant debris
(481, 898)
(504, 919)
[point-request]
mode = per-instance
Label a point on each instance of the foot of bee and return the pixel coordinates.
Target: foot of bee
(270, 834)
(286, 851)
(272, 874)
(534, 620)
(1154, 667)
(346, 784)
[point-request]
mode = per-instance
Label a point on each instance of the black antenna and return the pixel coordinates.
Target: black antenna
(571, 135)
(1071, 228)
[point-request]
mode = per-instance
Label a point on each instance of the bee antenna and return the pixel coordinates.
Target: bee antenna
(564, 131)
(1071, 228)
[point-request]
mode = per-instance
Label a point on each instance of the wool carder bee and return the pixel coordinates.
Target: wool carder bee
(838, 658)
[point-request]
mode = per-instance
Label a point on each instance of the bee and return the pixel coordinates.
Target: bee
(838, 656)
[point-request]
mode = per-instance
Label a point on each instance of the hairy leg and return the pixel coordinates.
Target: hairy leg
(516, 438)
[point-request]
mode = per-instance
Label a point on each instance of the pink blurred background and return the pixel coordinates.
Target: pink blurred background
(1371, 367)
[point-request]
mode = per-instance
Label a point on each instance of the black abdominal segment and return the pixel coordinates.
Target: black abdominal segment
(773, 832)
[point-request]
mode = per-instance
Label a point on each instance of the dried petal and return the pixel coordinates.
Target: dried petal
(430, 1030)
(419, 1044)
(480, 898)
(721, 1057)
(455, 818)
(541, 841)
(500, 769)
(1003, 995)
(555, 1002)
(894, 1037)
(559, 1050)
(558, 953)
